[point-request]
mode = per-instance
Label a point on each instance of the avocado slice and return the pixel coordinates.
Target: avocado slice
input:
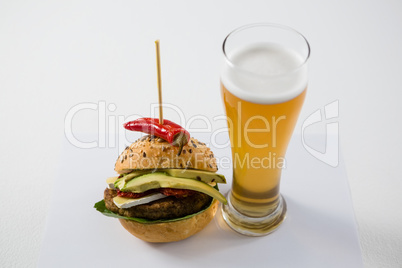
(162, 180)
(199, 175)
(120, 182)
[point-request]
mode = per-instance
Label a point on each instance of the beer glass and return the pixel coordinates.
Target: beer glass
(263, 86)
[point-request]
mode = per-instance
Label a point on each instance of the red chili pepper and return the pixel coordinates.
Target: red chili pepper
(169, 131)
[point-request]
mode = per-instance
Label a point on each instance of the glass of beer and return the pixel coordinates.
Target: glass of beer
(263, 86)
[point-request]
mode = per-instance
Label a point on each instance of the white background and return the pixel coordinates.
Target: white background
(57, 54)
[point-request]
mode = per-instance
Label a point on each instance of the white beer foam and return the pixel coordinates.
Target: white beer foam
(265, 73)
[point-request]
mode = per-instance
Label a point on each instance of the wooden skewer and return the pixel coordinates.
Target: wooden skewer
(158, 66)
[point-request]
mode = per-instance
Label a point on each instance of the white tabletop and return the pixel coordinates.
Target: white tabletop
(319, 229)
(57, 57)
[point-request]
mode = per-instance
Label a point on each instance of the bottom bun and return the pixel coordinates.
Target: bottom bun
(171, 231)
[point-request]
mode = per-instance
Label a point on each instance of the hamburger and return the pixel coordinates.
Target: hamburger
(163, 193)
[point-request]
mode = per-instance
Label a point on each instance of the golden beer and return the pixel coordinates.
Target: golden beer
(263, 86)
(259, 136)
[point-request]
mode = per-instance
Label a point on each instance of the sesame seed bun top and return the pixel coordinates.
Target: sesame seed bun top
(150, 152)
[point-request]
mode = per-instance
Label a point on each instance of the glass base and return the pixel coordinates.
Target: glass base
(251, 226)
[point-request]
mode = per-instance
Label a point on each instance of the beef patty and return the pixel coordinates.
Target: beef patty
(166, 208)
